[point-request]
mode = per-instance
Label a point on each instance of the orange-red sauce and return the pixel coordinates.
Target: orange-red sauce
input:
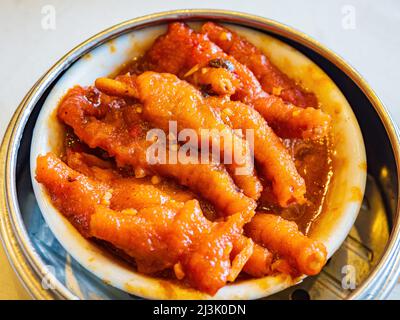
(313, 162)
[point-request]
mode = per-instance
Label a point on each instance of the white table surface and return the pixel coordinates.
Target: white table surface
(370, 42)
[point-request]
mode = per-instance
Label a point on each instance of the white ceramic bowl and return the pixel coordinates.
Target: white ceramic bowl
(332, 226)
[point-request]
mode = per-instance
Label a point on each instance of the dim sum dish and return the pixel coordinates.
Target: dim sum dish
(263, 211)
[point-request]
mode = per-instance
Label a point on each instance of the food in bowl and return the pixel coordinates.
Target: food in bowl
(202, 223)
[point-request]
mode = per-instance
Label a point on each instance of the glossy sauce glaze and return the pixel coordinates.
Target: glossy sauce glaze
(313, 160)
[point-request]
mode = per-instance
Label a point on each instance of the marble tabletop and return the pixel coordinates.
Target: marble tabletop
(35, 34)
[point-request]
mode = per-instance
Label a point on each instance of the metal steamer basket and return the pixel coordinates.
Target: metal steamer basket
(372, 247)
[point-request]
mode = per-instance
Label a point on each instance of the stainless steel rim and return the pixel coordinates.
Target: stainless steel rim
(15, 238)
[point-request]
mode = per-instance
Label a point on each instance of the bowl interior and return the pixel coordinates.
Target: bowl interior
(332, 225)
